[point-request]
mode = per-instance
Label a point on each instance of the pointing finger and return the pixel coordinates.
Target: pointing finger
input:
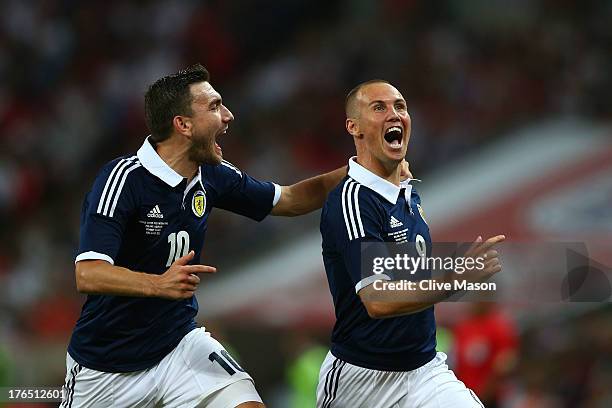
(200, 269)
(490, 242)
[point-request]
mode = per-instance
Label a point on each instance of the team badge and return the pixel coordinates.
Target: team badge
(422, 213)
(198, 204)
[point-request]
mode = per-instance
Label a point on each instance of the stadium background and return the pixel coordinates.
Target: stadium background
(487, 82)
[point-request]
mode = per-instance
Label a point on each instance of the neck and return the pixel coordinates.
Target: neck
(174, 152)
(389, 170)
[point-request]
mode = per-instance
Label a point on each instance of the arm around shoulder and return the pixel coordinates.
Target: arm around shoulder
(307, 195)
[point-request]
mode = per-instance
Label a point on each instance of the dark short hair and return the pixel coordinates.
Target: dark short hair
(349, 102)
(170, 96)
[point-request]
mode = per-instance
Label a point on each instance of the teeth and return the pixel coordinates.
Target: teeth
(394, 129)
(395, 144)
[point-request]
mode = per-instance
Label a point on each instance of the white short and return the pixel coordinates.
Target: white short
(343, 385)
(198, 372)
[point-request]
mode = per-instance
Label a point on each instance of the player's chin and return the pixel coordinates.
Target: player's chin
(209, 157)
(214, 159)
(395, 155)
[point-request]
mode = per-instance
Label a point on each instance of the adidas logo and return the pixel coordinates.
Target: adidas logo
(394, 222)
(155, 213)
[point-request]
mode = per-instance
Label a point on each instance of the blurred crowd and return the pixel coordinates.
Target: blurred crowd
(74, 73)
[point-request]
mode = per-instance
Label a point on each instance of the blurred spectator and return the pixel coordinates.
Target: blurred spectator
(486, 352)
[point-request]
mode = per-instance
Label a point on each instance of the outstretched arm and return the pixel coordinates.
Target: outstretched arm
(307, 195)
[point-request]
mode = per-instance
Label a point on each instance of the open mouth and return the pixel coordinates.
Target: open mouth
(394, 136)
(217, 146)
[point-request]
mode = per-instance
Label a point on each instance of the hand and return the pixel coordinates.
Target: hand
(484, 250)
(180, 280)
(405, 173)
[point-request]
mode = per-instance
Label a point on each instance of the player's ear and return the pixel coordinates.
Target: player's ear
(352, 127)
(182, 125)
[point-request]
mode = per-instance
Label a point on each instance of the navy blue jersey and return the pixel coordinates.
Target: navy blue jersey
(367, 208)
(142, 215)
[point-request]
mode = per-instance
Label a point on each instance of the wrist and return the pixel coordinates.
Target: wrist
(151, 287)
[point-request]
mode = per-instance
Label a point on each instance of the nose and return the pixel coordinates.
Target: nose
(393, 115)
(228, 116)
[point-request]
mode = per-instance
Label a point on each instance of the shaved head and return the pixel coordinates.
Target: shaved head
(378, 120)
(350, 104)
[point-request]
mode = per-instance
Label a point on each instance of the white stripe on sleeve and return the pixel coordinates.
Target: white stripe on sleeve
(351, 198)
(110, 187)
(113, 189)
(357, 212)
(343, 198)
(108, 183)
(135, 165)
(231, 166)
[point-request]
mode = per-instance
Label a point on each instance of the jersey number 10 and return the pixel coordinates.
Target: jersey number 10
(226, 361)
(179, 246)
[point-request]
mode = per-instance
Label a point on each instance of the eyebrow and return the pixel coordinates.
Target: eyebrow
(215, 100)
(383, 102)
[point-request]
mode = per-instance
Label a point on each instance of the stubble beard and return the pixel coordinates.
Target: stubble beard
(203, 152)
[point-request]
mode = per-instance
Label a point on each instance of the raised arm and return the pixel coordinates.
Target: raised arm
(395, 303)
(97, 277)
(307, 195)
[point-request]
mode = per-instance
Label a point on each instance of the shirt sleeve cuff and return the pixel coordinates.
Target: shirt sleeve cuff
(370, 280)
(92, 256)
(277, 194)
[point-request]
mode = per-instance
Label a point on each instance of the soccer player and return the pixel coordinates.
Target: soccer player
(383, 354)
(142, 230)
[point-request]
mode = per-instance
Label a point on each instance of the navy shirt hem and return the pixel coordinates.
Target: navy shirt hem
(393, 362)
(125, 368)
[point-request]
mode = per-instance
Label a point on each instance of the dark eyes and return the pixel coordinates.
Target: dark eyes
(398, 106)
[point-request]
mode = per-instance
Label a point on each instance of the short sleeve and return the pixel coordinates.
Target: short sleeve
(361, 224)
(240, 193)
(106, 210)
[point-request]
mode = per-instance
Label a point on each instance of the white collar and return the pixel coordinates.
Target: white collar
(376, 183)
(158, 167)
